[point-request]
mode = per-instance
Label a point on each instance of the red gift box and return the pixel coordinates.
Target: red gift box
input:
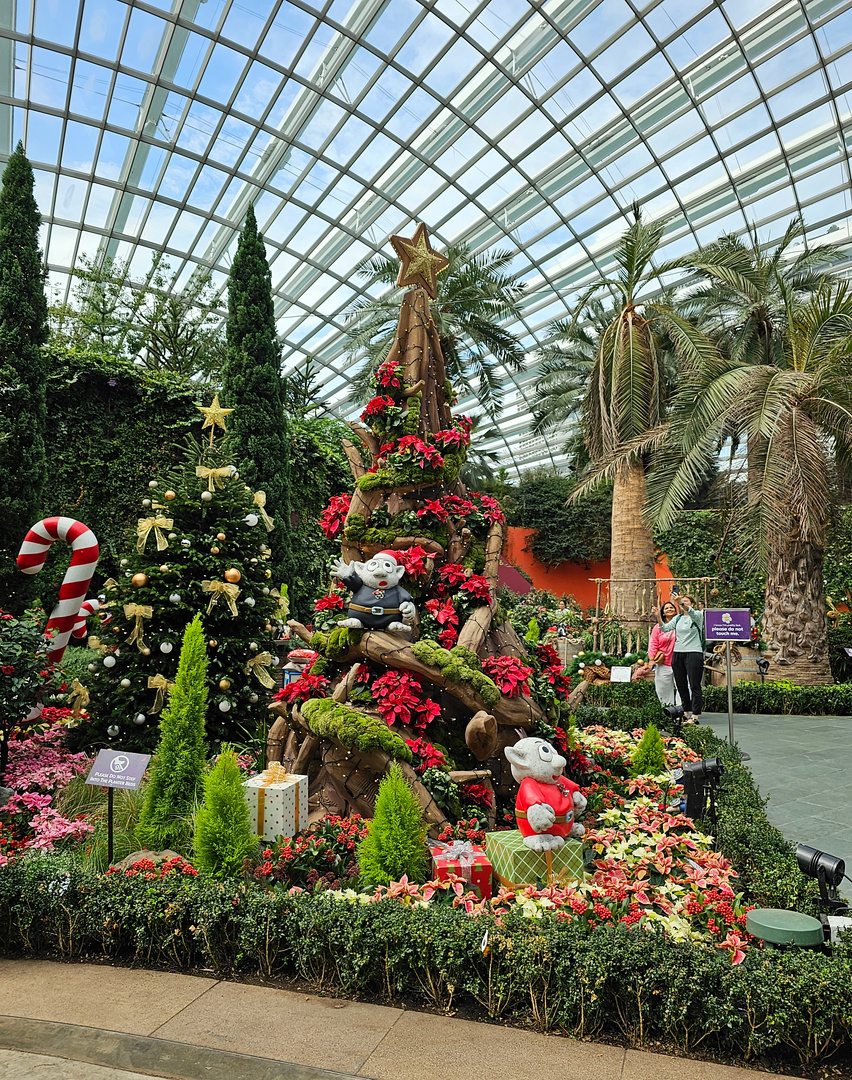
(467, 861)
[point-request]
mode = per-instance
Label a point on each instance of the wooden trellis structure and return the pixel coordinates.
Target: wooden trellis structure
(627, 604)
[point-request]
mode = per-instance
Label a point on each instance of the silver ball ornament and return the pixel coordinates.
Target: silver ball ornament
(224, 706)
(253, 646)
(152, 484)
(109, 661)
(146, 502)
(265, 590)
(206, 496)
(172, 536)
(166, 647)
(140, 718)
(253, 699)
(251, 520)
(112, 730)
(124, 562)
(250, 601)
(125, 683)
(174, 598)
(92, 667)
(186, 543)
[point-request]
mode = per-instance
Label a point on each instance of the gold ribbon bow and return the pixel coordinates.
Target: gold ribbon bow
(221, 588)
(258, 665)
(283, 597)
(110, 583)
(214, 477)
(157, 524)
(260, 503)
(78, 697)
(275, 774)
(97, 645)
(138, 612)
(163, 687)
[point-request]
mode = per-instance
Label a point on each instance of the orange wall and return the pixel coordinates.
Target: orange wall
(572, 578)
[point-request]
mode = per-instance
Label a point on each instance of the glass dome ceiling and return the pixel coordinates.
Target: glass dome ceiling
(531, 125)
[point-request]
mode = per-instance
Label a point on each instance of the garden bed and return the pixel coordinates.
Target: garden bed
(778, 698)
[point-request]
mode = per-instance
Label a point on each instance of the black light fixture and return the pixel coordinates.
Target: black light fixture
(762, 667)
(827, 869)
(701, 781)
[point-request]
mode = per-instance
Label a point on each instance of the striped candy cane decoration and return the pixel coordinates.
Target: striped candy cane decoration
(75, 584)
(87, 608)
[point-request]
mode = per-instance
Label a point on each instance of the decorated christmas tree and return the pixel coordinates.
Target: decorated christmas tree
(425, 670)
(199, 548)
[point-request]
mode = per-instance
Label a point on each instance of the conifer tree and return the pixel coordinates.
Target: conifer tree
(396, 842)
(223, 832)
(200, 547)
(251, 384)
(649, 757)
(23, 374)
(177, 772)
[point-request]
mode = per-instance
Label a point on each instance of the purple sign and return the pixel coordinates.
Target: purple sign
(118, 769)
(727, 624)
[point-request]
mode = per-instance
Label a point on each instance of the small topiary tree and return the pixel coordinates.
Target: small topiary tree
(649, 757)
(224, 838)
(177, 774)
(396, 842)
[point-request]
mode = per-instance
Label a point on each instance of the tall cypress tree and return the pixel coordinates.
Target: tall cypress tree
(251, 385)
(23, 374)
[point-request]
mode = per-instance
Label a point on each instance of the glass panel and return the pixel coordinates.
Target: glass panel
(143, 41)
(49, 77)
(246, 20)
(70, 193)
(224, 70)
(100, 32)
(706, 35)
(284, 38)
(127, 97)
(101, 200)
(90, 86)
(258, 88)
(636, 42)
(56, 20)
(430, 37)
(601, 24)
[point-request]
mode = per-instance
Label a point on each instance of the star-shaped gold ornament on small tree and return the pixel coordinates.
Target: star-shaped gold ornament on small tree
(420, 263)
(214, 416)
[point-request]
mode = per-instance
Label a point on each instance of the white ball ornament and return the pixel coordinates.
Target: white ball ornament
(174, 598)
(265, 590)
(253, 699)
(251, 519)
(185, 543)
(125, 683)
(146, 502)
(140, 718)
(112, 730)
(582, 666)
(124, 562)
(152, 484)
(172, 536)
(109, 661)
(598, 662)
(250, 601)
(253, 646)
(224, 706)
(166, 647)
(206, 496)
(92, 667)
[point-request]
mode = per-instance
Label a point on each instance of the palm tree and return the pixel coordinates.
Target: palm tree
(476, 294)
(746, 300)
(622, 399)
(794, 409)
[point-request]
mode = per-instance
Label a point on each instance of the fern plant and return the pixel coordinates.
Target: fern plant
(224, 837)
(649, 757)
(395, 844)
(177, 771)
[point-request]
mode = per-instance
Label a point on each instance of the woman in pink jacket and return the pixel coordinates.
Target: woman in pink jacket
(660, 649)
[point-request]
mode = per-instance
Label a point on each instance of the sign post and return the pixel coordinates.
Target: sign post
(728, 624)
(116, 769)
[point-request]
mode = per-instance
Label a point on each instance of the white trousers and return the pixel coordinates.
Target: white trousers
(664, 684)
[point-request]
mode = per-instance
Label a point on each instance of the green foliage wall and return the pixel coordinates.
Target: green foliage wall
(579, 533)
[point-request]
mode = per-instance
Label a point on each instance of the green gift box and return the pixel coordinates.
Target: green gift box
(517, 866)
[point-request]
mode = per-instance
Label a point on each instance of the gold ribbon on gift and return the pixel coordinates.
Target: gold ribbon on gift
(221, 588)
(260, 503)
(275, 774)
(214, 477)
(78, 697)
(258, 666)
(154, 524)
(138, 612)
(163, 687)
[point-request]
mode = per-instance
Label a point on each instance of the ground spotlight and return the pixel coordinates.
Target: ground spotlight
(762, 667)
(701, 781)
(675, 714)
(827, 869)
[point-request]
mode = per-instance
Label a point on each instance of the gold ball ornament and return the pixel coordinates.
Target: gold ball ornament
(224, 684)
(169, 495)
(212, 643)
(254, 562)
(220, 536)
(164, 569)
(232, 575)
(146, 651)
(139, 580)
(214, 550)
(268, 573)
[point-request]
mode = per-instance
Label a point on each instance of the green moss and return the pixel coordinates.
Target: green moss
(454, 667)
(319, 642)
(355, 527)
(467, 656)
(320, 666)
(333, 720)
(412, 418)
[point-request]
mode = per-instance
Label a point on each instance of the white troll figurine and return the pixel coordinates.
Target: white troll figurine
(547, 801)
(378, 601)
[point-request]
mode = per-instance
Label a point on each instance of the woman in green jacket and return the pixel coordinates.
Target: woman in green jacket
(688, 656)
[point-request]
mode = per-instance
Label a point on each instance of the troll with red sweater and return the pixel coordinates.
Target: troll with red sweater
(547, 802)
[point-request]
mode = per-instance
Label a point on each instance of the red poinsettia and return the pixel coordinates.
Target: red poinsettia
(396, 694)
(388, 374)
(450, 438)
(414, 560)
(332, 602)
(332, 518)
(430, 756)
(377, 406)
(448, 637)
(458, 506)
(435, 508)
(426, 712)
(302, 689)
(443, 611)
(477, 792)
(491, 509)
(509, 673)
(453, 573)
(476, 586)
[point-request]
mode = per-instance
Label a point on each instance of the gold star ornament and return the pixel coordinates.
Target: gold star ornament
(420, 264)
(214, 416)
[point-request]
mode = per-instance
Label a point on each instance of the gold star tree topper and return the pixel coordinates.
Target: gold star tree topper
(420, 264)
(214, 416)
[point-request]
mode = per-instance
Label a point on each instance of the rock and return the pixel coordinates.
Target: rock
(154, 856)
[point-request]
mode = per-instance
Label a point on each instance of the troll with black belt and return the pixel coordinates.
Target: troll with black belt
(378, 602)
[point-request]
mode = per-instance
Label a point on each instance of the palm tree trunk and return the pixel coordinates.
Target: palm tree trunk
(795, 625)
(631, 591)
(756, 461)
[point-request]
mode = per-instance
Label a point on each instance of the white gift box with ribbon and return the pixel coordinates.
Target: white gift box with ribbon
(278, 802)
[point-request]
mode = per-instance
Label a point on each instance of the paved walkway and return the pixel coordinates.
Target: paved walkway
(87, 1022)
(804, 765)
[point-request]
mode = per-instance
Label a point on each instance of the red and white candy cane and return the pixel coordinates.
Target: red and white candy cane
(87, 608)
(75, 584)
